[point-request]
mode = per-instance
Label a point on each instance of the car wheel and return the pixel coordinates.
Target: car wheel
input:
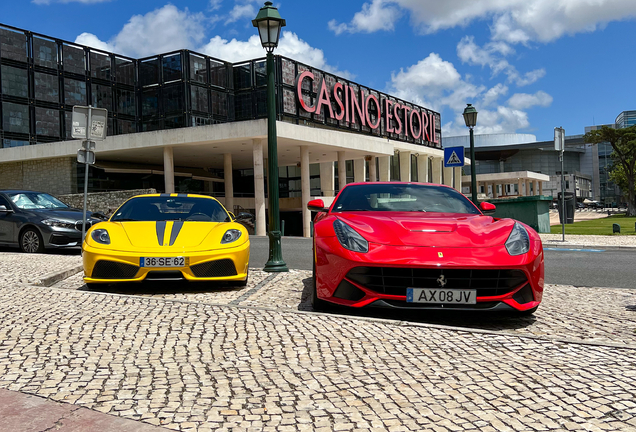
(528, 312)
(317, 304)
(31, 241)
(242, 283)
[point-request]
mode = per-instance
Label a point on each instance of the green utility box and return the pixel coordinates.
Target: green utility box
(531, 210)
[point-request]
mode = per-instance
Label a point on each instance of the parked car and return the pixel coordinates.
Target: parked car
(164, 237)
(420, 246)
(35, 221)
(580, 205)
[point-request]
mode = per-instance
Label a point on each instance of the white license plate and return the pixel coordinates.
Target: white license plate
(441, 296)
(162, 262)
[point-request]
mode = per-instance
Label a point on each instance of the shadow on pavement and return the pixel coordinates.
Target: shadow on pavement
(65, 251)
(162, 287)
(473, 320)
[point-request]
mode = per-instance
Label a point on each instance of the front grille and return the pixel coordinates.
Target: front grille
(114, 270)
(218, 268)
(395, 281)
(403, 304)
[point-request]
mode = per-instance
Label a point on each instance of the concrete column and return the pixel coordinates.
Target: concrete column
(359, 170)
(458, 178)
(259, 187)
(342, 170)
(385, 168)
(327, 179)
(527, 188)
(305, 190)
(495, 190)
(422, 168)
(437, 170)
(227, 176)
(540, 187)
(373, 171)
(448, 176)
(520, 186)
(405, 166)
(168, 169)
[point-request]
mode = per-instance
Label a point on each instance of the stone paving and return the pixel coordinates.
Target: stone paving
(596, 241)
(20, 268)
(202, 358)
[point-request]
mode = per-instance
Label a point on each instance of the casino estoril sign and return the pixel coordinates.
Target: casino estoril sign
(399, 119)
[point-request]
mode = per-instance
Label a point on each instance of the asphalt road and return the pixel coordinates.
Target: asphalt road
(610, 268)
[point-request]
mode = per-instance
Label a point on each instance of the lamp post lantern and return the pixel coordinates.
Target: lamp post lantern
(269, 22)
(470, 117)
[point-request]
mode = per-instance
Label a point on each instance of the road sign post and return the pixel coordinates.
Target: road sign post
(88, 124)
(559, 145)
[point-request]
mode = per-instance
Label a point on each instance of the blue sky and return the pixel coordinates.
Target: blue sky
(527, 65)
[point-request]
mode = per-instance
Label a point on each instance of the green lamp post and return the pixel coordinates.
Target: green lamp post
(269, 22)
(470, 117)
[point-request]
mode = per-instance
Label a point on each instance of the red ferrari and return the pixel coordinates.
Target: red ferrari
(422, 246)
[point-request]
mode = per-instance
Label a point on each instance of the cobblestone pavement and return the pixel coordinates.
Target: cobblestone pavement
(198, 367)
(17, 268)
(589, 240)
(596, 315)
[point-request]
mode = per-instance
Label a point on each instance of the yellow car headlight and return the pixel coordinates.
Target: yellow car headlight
(101, 236)
(230, 236)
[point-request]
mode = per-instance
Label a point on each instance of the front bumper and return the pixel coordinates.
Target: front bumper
(380, 277)
(105, 266)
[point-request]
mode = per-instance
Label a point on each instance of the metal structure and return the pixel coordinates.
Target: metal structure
(559, 145)
(470, 118)
(269, 23)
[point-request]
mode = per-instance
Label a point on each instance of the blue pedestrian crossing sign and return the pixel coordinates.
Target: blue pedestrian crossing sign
(454, 156)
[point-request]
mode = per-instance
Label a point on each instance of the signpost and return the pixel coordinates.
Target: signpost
(453, 157)
(88, 124)
(559, 145)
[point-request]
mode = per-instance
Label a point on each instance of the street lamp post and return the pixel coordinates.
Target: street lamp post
(470, 117)
(269, 22)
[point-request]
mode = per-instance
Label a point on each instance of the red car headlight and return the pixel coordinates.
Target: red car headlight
(349, 238)
(518, 242)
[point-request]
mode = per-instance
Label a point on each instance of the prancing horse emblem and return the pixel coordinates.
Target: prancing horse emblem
(441, 281)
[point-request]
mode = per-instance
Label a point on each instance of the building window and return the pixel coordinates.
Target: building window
(100, 65)
(102, 96)
(414, 175)
(47, 122)
(198, 71)
(149, 72)
(15, 118)
(7, 143)
(218, 74)
(44, 53)
(172, 68)
(199, 98)
(15, 82)
(173, 98)
(125, 102)
(74, 92)
(13, 45)
(150, 103)
(47, 87)
(125, 71)
(74, 59)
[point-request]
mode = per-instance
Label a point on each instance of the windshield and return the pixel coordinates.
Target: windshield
(161, 208)
(35, 200)
(403, 198)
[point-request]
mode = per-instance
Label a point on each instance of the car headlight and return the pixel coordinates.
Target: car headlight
(349, 238)
(56, 223)
(101, 236)
(518, 242)
(230, 236)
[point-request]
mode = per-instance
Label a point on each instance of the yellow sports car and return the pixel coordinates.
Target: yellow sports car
(168, 237)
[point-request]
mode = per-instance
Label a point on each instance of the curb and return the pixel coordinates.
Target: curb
(561, 245)
(50, 279)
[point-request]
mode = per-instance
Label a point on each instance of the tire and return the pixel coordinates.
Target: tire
(317, 304)
(528, 312)
(31, 241)
(93, 286)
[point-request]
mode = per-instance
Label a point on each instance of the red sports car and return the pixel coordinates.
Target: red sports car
(422, 246)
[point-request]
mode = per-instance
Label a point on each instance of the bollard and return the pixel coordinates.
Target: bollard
(616, 228)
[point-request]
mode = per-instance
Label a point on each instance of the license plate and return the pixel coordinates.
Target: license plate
(162, 262)
(441, 296)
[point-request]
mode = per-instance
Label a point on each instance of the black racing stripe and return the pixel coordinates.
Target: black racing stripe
(180, 195)
(161, 230)
(164, 195)
(176, 228)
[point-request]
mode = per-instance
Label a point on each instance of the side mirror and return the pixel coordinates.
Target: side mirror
(4, 209)
(316, 205)
(243, 216)
(487, 208)
(232, 217)
(99, 215)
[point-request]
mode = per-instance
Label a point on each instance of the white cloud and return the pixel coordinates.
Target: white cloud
(290, 45)
(491, 55)
(162, 30)
(379, 15)
(436, 83)
(241, 11)
(514, 21)
(215, 4)
(525, 101)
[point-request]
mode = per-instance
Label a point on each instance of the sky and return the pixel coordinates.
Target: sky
(526, 65)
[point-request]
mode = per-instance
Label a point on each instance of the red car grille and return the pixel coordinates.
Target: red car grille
(395, 281)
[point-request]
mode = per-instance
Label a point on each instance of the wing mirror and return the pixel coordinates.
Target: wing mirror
(244, 216)
(487, 208)
(4, 209)
(317, 205)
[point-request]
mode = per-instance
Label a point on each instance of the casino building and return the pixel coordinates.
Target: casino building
(187, 122)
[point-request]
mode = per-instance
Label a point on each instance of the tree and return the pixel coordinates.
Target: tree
(623, 142)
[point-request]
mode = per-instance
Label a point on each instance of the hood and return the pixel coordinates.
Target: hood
(67, 214)
(430, 229)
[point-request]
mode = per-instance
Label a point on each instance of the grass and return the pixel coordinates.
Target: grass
(598, 226)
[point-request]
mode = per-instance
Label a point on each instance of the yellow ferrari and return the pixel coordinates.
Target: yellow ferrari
(168, 237)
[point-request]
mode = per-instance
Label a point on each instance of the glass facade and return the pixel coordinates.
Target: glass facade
(42, 78)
